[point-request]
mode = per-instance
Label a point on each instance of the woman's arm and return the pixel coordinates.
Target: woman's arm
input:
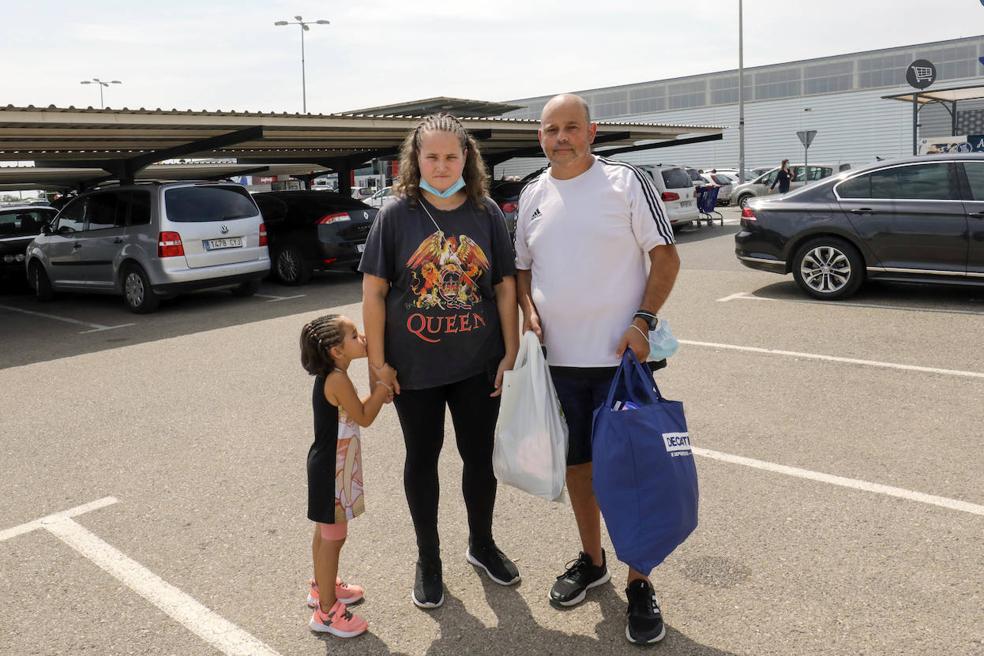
(505, 300)
(374, 290)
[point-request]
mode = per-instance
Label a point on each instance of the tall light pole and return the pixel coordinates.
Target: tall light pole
(741, 97)
(101, 84)
(304, 28)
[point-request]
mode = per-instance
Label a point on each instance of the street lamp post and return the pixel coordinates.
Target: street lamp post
(101, 84)
(741, 97)
(304, 28)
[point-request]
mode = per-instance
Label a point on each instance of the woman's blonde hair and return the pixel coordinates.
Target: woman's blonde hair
(475, 176)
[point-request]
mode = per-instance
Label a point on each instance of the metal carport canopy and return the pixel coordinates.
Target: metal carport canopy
(123, 142)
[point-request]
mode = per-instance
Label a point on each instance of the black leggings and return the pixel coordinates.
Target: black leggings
(473, 414)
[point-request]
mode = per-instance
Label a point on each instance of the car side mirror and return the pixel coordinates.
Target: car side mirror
(46, 229)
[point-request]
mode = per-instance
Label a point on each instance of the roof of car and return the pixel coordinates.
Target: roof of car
(8, 208)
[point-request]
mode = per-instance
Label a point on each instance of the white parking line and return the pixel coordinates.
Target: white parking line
(200, 620)
(853, 483)
(274, 299)
(94, 327)
(834, 358)
(745, 296)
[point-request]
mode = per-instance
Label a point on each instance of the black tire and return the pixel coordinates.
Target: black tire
(138, 295)
(245, 289)
(743, 200)
(828, 268)
(40, 282)
(289, 266)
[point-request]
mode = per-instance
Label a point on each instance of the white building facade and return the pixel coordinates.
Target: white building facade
(839, 96)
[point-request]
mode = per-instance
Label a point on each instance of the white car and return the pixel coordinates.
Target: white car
(676, 191)
(381, 197)
(723, 182)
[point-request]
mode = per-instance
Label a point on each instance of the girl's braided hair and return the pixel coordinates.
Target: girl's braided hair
(317, 338)
(475, 175)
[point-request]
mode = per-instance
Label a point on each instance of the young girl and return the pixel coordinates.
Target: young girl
(334, 464)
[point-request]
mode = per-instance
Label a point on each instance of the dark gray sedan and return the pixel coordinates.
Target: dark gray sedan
(918, 219)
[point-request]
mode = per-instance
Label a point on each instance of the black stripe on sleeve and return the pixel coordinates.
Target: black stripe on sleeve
(663, 226)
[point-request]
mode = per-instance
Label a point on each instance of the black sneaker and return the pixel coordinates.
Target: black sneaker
(581, 575)
(495, 563)
(645, 623)
(428, 586)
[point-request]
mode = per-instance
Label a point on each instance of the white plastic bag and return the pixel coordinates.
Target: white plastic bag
(530, 435)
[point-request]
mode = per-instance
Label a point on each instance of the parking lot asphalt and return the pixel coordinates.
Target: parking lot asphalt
(853, 526)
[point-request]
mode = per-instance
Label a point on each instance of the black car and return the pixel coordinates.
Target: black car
(309, 230)
(919, 219)
(19, 225)
(506, 193)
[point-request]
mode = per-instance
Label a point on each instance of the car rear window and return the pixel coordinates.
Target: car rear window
(204, 204)
(675, 178)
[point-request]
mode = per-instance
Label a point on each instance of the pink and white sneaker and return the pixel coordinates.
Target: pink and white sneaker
(338, 621)
(346, 593)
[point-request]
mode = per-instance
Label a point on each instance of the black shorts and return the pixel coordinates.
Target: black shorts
(580, 391)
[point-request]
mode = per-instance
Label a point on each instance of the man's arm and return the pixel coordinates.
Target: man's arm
(524, 293)
(665, 264)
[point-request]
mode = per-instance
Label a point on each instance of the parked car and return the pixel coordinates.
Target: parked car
(19, 225)
(381, 197)
(912, 220)
(150, 240)
(677, 191)
(505, 193)
(311, 230)
(723, 183)
(762, 185)
(362, 193)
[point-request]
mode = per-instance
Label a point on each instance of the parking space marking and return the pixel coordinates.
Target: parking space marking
(274, 299)
(93, 327)
(853, 483)
(834, 358)
(745, 296)
(200, 620)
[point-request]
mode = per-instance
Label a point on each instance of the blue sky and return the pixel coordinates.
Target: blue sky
(229, 55)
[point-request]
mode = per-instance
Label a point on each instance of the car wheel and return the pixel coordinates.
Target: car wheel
(247, 288)
(40, 282)
(743, 200)
(137, 292)
(290, 268)
(828, 268)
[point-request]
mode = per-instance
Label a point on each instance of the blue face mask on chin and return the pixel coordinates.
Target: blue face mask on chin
(447, 193)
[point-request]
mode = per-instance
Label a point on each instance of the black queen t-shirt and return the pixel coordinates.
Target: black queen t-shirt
(442, 322)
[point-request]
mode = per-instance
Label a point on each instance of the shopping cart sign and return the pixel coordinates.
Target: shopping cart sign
(920, 74)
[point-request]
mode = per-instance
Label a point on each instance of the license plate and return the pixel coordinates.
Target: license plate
(686, 203)
(361, 248)
(229, 242)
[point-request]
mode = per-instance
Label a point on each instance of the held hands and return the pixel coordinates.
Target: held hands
(635, 338)
(384, 375)
(506, 364)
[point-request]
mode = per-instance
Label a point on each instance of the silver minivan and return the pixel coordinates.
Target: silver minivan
(151, 240)
(676, 191)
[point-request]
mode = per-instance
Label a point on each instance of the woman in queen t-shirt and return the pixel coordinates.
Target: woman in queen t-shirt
(439, 307)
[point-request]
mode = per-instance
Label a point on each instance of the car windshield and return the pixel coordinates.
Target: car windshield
(23, 222)
(675, 178)
(211, 203)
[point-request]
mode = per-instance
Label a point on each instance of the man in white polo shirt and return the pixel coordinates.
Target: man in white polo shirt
(585, 230)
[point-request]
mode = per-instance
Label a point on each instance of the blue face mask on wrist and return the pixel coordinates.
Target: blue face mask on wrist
(447, 193)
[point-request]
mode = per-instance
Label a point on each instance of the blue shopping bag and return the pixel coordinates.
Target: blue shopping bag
(644, 474)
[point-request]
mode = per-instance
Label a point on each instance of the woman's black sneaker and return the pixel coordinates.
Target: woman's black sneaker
(428, 586)
(581, 575)
(495, 563)
(645, 621)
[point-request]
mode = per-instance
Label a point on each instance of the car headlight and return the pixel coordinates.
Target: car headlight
(8, 258)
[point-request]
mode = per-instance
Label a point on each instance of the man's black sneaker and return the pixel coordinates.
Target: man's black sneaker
(495, 563)
(645, 621)
(581, 575)
(428, 586)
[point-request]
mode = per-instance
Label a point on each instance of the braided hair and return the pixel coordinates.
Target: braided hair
(475, 175)
(317, 338)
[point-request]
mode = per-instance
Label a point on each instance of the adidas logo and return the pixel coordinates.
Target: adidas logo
(536, 214)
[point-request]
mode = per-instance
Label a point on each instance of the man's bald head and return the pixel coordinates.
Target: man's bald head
(563, 100)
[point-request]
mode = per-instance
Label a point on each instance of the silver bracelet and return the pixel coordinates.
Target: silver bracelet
(632, 325)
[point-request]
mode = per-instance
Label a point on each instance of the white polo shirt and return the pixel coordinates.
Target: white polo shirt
(586, 241)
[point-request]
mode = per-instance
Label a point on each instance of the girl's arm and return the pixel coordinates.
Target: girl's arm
(340, 391)
(374, 290)
(505, 300)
